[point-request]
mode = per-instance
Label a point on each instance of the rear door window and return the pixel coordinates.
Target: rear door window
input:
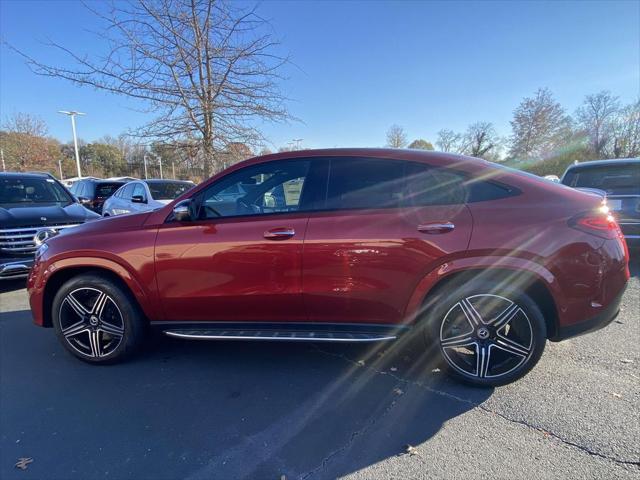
(365, 183)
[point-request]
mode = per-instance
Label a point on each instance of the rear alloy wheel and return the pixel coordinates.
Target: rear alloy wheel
(489, 339)
(96, 320)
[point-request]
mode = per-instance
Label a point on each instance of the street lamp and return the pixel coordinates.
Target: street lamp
(297, 142)
(73, 114)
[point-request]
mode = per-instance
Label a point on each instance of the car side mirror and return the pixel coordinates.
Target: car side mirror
(182, 212)
(83, 200)
(138, 199)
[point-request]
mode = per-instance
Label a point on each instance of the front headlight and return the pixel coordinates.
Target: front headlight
(41, 249)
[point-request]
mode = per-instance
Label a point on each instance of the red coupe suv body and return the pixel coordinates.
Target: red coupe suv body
(345, 245)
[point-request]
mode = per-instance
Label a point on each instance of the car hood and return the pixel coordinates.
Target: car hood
(119, 223)
(44, 215)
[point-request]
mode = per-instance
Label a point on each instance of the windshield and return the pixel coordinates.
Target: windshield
(614, 179)
(29, 190)
(168, 190)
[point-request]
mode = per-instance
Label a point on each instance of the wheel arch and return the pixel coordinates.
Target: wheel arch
(534, 283)
(62, 275)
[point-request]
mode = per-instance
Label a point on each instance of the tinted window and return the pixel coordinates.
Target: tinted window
(273, 187)
(29, 190)
(104, 190)
(434, 186)
(365, 183)
(614, 179)
(167, 190)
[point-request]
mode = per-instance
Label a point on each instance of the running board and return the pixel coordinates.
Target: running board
(279, 335)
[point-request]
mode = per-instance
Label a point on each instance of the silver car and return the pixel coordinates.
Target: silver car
(144, 195)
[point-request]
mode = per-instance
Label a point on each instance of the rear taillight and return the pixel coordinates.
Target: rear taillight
(599, 222)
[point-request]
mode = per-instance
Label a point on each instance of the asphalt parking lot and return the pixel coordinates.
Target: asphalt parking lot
(201, 410)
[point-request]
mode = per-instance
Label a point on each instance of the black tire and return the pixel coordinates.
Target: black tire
(516, 340)
(97, 320)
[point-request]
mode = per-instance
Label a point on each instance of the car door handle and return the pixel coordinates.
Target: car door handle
(436, 228)
(281, 233)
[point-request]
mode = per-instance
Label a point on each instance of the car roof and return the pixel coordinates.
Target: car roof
(164, 180)
(425, 156)
(604, 163)
(26, 174)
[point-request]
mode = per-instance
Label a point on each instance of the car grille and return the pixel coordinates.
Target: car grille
(21, 240)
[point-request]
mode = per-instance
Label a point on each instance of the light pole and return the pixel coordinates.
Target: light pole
(4, 167)
(297, 142)
(73, 114)
(144, 158)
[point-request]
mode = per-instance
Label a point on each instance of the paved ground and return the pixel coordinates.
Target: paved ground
(250, 410)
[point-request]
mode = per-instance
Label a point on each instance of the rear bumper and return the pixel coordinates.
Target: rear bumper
(12, 268)
(601, 320)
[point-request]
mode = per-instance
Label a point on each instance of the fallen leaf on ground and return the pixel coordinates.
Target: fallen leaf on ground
(626, 360)
(23, 462)
(393, 369)
(398, 391)
(617, 395)
(360, 363)
(410, 450)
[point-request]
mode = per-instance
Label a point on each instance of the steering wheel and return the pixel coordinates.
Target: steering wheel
(247, 207)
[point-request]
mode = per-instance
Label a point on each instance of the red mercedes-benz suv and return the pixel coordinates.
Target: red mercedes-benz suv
(352, 245)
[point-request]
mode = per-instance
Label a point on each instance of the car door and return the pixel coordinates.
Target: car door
(385, 225)
(240, 259)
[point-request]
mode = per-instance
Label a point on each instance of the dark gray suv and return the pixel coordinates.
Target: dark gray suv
(620, 180)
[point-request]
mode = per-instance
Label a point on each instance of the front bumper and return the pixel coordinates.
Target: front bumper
(601, 320)
(13, 268)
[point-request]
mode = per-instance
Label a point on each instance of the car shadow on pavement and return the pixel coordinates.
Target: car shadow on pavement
(12, 285)
(184, 409)
(634, 263)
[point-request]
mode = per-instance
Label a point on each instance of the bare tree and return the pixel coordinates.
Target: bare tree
(595, 116)
(207, 69)
(625, 132)
(396, 137)
(481, 140)
(540, 125)
(26, 124)
(449, 141)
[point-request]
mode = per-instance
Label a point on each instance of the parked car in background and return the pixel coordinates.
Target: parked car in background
(33, 207)
(144, 195)
(553, 178)
(482, 262)
(92, 192)
(619, 180)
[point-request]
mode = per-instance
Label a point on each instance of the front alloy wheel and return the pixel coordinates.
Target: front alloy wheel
(97, 319)
(91, 322)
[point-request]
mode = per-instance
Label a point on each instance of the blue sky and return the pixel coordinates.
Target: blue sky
(362, 66)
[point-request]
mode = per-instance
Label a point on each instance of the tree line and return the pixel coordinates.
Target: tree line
(544, 138)
(26, 146)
